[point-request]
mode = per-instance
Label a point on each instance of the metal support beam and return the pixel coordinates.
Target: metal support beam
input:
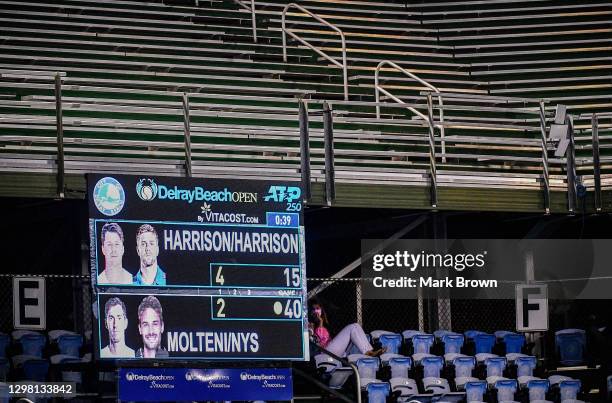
(330, 177)
(59, 123)
(187, 123)
(545, 174)
(432, 154)
(596, 164)
(304, 151)
(571, 167)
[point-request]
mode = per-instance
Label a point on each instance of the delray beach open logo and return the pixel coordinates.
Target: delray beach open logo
(146, 189)
(130, 376)
(109, 196)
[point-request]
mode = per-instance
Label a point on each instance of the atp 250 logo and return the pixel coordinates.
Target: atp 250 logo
(289, 194)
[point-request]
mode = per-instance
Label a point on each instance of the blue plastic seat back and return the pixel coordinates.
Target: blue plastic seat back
(569, 389)
(432, 366)
(525, 365)
(464, 366)
(537, 389)
(506, 388)
(484, 343)
(495, 366)
(514, 342)
(36, 370)
(378, 392)
(400, 366)
(571, 345)
(70, 344)
(474, 391)
(4, 342)
(470, 334)
(367, 367)
(452, 343)
(422, 343)
(33, 344)
(391, 342)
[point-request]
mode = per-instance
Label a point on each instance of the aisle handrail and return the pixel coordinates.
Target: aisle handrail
(378, 89)
(253, 19)
(285, 31)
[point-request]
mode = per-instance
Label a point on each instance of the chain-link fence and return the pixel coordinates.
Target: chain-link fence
(68, 302)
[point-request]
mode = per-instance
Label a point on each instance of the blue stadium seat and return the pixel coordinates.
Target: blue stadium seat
(391, 342)
(375, 334)
(484, 345)
(500, 334)
(386, 357)
(404, 386)
(495, 369)
(70, 344)
(378, 392)
(463, 371)
(506, 388)
(421, 344)
(367, 368)
(524, 367)
(571, 345)
(354, 357)
(36, 370)
(569, 389)
(537, 389)
(407, 334)
(514, 342)
(439, 334)
(400, 367)
(333, 372)
(452, 346)
(475, 390)
(431, 375)
(470, 334)
(33, 344)
(4, 342)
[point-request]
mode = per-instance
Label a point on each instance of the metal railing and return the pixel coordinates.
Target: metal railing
(545, 174)
(286, 31)
(378, 89)
(253, 19)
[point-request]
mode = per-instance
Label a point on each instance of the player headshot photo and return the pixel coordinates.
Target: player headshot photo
(147, 246)
(112, 249)
(151, 327)
(116, 321)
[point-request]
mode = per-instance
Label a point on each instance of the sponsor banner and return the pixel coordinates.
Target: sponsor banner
(140, 326)
(486, 268)
(179, 384)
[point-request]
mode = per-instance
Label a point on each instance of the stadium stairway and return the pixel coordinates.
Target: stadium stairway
(126, 65)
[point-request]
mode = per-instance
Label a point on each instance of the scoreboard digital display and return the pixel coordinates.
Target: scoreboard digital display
(193, 268)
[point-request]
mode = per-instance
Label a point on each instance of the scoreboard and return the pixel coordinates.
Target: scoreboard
(193, 268)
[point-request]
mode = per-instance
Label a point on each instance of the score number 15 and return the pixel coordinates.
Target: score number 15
(292, 275)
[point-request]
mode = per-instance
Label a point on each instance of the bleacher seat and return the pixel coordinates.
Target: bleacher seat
(333, 372)
(378, 392)
(355, 357)
(17, 334)
(525, 367)
(421, 344)
(4, 343)
(571, 344)
(36, 370)
(432, 381)
(500, 334)
(391, 342)
(452, 346)
(470, 334)
(537, 389)
(375, 334)
(70, 344)
(556, 379)
(463, 371)
(506, 389)
(484, 345)
(33, 344)
(386, 357)
(55, 334)
(495, 369)
(404, 386)
(440, 333)
(569, 389)
(514, 342)
(475, 390)
(407, 334)
(367, 368)
(400, 366)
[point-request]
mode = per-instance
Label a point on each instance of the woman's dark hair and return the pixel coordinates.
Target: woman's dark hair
(313, 318)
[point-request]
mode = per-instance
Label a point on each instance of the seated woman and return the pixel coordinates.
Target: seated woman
(339, 345)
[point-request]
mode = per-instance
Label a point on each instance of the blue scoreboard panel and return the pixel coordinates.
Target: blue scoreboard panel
(193, 268)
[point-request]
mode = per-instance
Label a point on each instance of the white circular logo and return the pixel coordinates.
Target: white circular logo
(109, 196)
(244, 376)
